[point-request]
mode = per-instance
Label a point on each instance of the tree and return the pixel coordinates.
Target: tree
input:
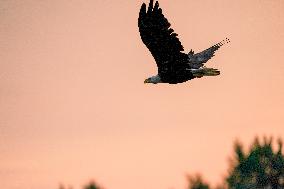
(92, 185)
(261, 167)
(197, 182)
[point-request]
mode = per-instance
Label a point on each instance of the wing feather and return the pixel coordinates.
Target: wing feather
(199, 59)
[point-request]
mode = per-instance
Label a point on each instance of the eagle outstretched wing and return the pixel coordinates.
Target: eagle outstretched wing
(162, 42)
(199, 59)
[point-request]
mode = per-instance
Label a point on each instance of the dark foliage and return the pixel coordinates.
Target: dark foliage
(260, 167)
(92, 185)
(197, 182)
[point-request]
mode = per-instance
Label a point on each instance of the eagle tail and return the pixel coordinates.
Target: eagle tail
(205, 72)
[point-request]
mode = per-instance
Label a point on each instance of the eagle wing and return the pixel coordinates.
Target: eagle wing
(162, 42)
(199, 59)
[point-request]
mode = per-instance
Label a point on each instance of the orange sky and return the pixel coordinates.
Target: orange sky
(73, 105)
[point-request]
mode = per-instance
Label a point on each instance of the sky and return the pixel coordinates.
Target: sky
(73, 105)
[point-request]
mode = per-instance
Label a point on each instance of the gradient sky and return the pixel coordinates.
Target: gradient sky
(73, 105)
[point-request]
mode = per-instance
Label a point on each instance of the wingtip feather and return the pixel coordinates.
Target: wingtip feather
(156, 6)
(150, 8)
(142, 10)
(143, 7)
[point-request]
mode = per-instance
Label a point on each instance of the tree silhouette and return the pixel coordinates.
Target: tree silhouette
(197, 182)
(260, 168)
(92, 185)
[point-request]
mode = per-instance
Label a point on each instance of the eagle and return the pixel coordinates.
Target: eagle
(174, 66)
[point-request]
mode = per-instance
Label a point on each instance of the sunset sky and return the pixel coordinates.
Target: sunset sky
(73, 105)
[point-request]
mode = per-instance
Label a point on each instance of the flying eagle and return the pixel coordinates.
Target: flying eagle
(174, 66)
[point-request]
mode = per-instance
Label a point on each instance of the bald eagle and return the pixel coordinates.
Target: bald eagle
(174, 66)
